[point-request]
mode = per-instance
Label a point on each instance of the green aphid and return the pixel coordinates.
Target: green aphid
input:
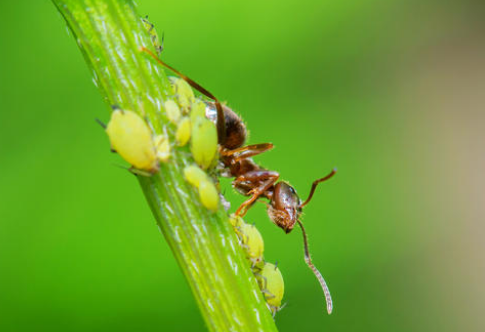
(153, 35)
(272, 285)
(252, 242)
(182, 89)
(207, 190)
(203, 144)
(184, 128)
(209, 195)
(194, 175)
(173, 111)
(197, 109)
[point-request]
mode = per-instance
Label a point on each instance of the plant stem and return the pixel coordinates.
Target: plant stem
(110, 34)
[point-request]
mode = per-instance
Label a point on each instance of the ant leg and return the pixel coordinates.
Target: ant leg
(265, 179)
(221, 130)
(247, 151)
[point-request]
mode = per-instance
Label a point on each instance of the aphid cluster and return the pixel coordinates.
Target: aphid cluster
(132, 138)
(217, 136)
(268, 275)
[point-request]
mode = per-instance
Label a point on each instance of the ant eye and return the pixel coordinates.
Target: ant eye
(292, 190)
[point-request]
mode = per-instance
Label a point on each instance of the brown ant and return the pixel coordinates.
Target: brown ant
(285, 207)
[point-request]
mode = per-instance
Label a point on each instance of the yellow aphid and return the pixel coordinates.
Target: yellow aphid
(194, 175)
(203, 144)
(209, 195)
(184, 128)
(173, 111)
(131, 137)
(184, 92)
(272, 285)
(162, 147)
(252, 242)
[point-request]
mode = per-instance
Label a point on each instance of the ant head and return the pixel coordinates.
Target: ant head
(284, 209)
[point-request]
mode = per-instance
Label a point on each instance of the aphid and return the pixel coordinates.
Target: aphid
(173, 111)
(203, 144)
(207, 190)
(184, 128)
(185, 95)
(162, 147)
(194, 175)
(272, 285)
(208, 195)
(197, 110)
(153, 35)
(285, 207)
(251, 241)
(131, 137)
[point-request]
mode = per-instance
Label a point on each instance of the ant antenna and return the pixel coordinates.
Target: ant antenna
(221, 131)
(308, 260)
(314, 186)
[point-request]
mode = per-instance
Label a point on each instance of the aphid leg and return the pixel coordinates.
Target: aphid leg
(247, 151)
(161, 44)
(263, 278)
(221, 130)
(264, 286)
(308, 260)
(135, 171)
(115, 107)
(101, 123)
(315, 184)
(265, 177)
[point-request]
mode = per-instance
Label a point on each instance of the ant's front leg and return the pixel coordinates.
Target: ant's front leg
(259, 182)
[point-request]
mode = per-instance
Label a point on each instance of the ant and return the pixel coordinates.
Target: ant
(285, 207)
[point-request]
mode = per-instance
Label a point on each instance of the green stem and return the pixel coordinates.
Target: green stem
(110, 34)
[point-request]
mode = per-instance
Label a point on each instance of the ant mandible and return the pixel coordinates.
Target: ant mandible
(285, 207)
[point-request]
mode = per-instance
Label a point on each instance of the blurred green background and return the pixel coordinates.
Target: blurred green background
(390, 92)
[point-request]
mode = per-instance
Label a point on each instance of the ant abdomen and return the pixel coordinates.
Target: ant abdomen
(234, 126)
